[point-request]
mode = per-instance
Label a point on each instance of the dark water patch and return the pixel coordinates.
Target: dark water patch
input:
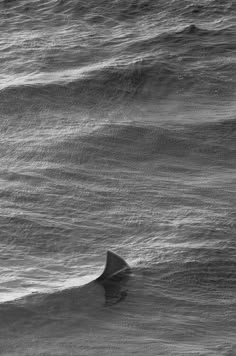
(88, 94)
(113, 82)
(197, 9)
(11, 313)
(82, 301)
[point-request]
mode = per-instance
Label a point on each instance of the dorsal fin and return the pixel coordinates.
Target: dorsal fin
(115, 267)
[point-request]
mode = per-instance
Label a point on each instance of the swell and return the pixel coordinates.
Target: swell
(120, 144)
(124, 63)
(103, 88)
(197, 283)
(146, 80)
(43, 306)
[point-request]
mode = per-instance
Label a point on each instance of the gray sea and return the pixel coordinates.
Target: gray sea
(118, 132)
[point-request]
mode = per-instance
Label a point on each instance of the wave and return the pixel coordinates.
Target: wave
(118, 144)
(110, 62)
(84, 300)
(169, 282)
(103, 88)
(146, 80)
(123, 143)
(38, 306)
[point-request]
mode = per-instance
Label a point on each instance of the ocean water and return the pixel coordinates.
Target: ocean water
(118, 132)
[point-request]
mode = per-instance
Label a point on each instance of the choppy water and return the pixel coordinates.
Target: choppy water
(118, 131)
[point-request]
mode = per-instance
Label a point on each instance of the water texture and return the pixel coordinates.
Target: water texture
(117, 132)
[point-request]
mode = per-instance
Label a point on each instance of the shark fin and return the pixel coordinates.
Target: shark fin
(115, 269)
